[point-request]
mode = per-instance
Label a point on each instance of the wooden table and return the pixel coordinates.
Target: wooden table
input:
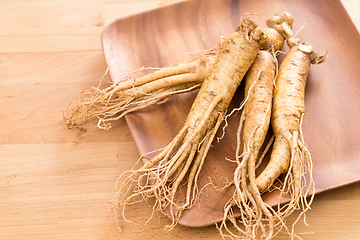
(57, 184)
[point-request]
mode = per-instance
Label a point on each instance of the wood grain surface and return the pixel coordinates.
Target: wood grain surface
(57, 184)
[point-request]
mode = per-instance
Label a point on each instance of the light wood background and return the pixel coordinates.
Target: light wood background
(57, 184)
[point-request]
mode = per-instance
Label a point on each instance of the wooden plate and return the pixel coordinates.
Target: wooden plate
(167, 35)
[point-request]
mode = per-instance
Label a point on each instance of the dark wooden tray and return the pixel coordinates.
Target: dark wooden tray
(332, 123)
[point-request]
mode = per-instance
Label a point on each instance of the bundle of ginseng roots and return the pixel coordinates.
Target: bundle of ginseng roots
(273, 94)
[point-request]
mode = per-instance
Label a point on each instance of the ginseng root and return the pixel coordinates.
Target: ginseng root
(253, 127)
(290, 155)
(133, 94)
(181, 160)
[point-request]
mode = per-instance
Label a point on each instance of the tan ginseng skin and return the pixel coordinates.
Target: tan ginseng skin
(226, 74)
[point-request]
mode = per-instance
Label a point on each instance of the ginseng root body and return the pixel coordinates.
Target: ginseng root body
(253, 127)
(180, 162)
